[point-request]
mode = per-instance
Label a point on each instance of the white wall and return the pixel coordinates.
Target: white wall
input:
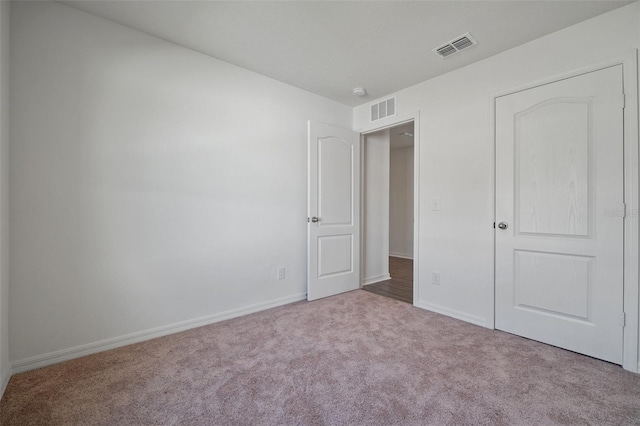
(4, 195)
(151, 185)
(456, 157)
(375, 214)
(401, 202)
(638, 98)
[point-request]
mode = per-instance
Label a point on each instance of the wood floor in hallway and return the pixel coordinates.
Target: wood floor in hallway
(400, 286)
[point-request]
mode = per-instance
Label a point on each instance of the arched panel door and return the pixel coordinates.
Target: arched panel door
(334, 211)
(560, 213)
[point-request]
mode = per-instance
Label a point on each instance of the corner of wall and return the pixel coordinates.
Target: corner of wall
(638, 99)
(5, 369)
(5, 376)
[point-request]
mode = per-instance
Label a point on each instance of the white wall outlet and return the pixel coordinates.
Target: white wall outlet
(435, 204)
(281, 273)
(435, 278)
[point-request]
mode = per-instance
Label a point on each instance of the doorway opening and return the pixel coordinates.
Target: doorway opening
(388, 177)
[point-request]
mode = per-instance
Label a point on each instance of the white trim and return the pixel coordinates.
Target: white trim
(630, 360)
(395, 121)
(463, 316)
(630, 357)
(5, 376)
(620, 60)
(51, 358)
(491, 293)
(392, 121)
(362, 209)
(400, 255)
(416, 206)
(376, 279)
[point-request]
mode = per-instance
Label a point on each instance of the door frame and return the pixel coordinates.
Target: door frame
(386, 124)
(631, 274)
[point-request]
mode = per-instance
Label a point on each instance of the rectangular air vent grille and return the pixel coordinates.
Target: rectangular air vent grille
(455, 45)
(446, 50)
(383, 109)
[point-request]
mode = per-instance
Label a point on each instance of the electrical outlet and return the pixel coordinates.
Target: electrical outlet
(435, 278)
(281, 273)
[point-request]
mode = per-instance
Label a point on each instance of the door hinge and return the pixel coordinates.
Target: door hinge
(623, 319)
(619, 212)
(494, 225)
(624, 100)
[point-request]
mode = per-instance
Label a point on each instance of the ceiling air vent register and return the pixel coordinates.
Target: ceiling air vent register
(383, 109)
(455, 45)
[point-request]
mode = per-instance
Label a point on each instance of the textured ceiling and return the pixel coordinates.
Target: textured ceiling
(332, 46)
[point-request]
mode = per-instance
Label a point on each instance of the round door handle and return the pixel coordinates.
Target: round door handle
(315, 219)
(503, 225)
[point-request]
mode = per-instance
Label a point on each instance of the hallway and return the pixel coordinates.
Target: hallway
(400, 286)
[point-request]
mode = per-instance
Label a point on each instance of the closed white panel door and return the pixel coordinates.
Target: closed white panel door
(334, 211)
(560, 213)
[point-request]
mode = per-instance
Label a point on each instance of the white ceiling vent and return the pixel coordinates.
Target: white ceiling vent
(455, 45)
(383, 109)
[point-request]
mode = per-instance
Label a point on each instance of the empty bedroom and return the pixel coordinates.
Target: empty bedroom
(319, 212)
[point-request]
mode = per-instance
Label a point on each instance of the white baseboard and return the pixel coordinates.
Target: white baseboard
(376, 279)
(463, 316)
(51, 358)
(401, 255)
(5, 376)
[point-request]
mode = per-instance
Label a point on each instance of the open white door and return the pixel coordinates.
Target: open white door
(333, 229)
(560, 213)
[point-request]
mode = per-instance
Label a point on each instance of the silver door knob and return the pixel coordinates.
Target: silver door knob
(503, 225)
(315, 219)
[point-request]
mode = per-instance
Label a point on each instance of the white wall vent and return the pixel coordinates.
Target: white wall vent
(454, 46)
(383, 109)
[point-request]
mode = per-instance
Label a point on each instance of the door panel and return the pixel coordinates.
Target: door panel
(552, 145)
(333, 249)
(566, 277)
(559, 177)
(335, 170)
(334, 255)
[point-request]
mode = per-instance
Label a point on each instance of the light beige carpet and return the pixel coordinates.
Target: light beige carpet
(352, 359)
